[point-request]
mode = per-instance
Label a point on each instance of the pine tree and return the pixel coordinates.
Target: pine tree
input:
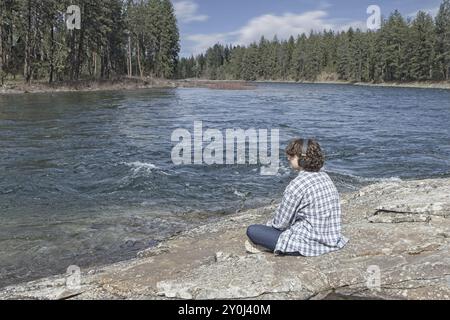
(285, 52)
(299, 58)
(215, 58)
(264, 48)
(234, 67)
(394, 34)
(344, 55)
(373, 57)
(329, 49)
(313, 58)
(443, 39)
(10, 58)
(422, 44)
(2, 18)
(359, 64)
(250, 63)
(169, 47)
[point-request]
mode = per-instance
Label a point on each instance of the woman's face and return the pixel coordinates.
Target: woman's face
(293, 161)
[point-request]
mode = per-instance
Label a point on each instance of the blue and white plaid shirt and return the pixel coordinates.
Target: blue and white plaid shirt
(309, 216)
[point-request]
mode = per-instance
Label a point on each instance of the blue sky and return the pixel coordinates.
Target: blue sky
(203, 23)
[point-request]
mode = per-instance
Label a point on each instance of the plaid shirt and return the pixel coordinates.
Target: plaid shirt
(309, 216)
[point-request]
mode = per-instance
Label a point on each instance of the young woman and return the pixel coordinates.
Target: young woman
(308, 219)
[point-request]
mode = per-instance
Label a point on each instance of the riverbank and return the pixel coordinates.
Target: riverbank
(399, 228)
(416, 85)
(87, 85)
(121, 84)
(147, 83)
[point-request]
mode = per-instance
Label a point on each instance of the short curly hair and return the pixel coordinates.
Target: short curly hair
(314, 159)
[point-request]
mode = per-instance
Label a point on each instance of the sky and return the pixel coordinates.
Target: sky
(203, 23)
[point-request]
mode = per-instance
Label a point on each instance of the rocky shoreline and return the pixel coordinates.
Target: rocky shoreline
(88, 86)
(153, 83)
(122, 84)
(444, 85)
(398, 229)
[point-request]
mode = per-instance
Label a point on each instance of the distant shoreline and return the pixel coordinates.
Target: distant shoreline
(148, 83)
(416, 85)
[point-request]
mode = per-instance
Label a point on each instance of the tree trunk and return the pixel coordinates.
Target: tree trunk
(95, 64)
(105, 63)
(79, 56)
(1, 49)
(52, 54)
(130, 66)
(109, 65)
(139, 59)
(102, 63)
(27, 64)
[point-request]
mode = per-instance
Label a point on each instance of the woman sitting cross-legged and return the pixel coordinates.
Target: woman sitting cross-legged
(308, 220)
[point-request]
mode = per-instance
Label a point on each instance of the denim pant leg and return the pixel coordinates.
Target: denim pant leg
(263, 235)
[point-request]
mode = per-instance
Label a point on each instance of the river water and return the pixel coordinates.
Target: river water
(87, 178)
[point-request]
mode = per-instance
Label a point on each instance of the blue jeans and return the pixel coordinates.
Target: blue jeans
(266, 237)
(263, 235)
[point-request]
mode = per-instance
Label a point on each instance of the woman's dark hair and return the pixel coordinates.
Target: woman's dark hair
(314, 159)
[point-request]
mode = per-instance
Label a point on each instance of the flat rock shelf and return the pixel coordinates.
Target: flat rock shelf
(399, 228)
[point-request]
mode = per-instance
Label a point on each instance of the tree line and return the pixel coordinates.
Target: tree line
(116, 38)
(141, 38)
(402, 49)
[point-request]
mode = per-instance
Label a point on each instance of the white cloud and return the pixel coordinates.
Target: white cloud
(432, 11)
(186, 11)
(269, 25)
(283, 26)
(201, 42)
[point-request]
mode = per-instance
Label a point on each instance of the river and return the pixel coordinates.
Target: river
(87, 178)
